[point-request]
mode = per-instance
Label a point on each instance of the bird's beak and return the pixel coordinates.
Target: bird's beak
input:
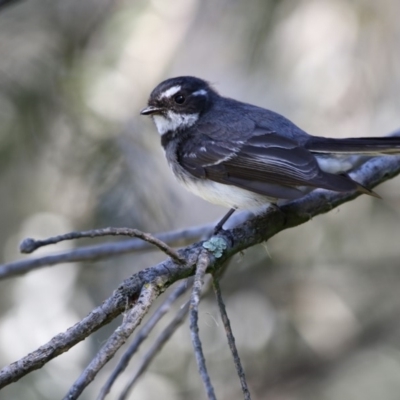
(150, 110)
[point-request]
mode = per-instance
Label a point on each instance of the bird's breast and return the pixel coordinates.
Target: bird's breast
(213, 192)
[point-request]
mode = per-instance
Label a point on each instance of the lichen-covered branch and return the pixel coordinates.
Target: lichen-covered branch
(247, 234)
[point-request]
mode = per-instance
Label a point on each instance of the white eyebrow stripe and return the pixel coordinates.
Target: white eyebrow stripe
(171, 91)
(200, 92)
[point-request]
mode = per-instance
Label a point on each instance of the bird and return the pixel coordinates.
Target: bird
(242, 156)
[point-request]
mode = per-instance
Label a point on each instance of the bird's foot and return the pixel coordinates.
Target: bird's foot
(218, 227)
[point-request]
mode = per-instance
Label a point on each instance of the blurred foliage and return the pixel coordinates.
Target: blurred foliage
(315, 314)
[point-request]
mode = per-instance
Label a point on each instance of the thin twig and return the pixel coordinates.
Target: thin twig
(155, 349)
(254, 231)
(62, 342)
(370, 174)
(179, 237)
(163, 275)
(158, 344)
(131, 320)
(231, 339)
(29, 245)
(90, 253)
(142, 335)
(202, 264)
(175, 238)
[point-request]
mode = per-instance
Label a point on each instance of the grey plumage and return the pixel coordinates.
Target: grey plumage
(242, 156)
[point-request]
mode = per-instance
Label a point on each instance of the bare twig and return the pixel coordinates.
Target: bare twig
(202, 265)
(231, 339)
(163, 275)
(64, 341)
(179, 237)
(370, 174)
(29, 245)
(158, 344)
(253, 231)
(131, 320)
(142, 335)
(90, 253)
(155, 348)
(101, 251)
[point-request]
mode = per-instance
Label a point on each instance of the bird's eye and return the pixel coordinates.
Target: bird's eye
(179, 99)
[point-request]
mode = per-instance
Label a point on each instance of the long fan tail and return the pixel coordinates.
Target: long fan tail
(366, 146)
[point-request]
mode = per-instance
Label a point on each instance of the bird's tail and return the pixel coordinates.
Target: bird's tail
(366, 146)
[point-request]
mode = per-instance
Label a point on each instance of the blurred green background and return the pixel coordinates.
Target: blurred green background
(316, 312)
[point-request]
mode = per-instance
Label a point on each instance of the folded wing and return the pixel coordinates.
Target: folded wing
(266, 163)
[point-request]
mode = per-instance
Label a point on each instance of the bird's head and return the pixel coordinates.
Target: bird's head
(177, 103)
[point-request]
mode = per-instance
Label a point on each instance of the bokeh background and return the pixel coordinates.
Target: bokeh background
(316, 310)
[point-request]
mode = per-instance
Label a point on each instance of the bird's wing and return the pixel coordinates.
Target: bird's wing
(267, 164)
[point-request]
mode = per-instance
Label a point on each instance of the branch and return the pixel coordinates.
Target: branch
(173, 238)
(253, 231)
(131, 320)
(101, 251)
(127, 293)
(155, 348)
(142, 335)
(90, 253)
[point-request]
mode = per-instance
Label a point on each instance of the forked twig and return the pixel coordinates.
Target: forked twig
(89, 253)
(158, 344)
(179, 237)
(155, 348)
(255, 230)
(29, 245)
(142, 335)
(131, 320)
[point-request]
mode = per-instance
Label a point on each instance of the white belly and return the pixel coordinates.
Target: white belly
(226, 195)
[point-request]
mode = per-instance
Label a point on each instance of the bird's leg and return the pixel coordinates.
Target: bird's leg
(225, 218)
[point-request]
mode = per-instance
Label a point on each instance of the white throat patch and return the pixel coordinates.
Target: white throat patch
(174, 121)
